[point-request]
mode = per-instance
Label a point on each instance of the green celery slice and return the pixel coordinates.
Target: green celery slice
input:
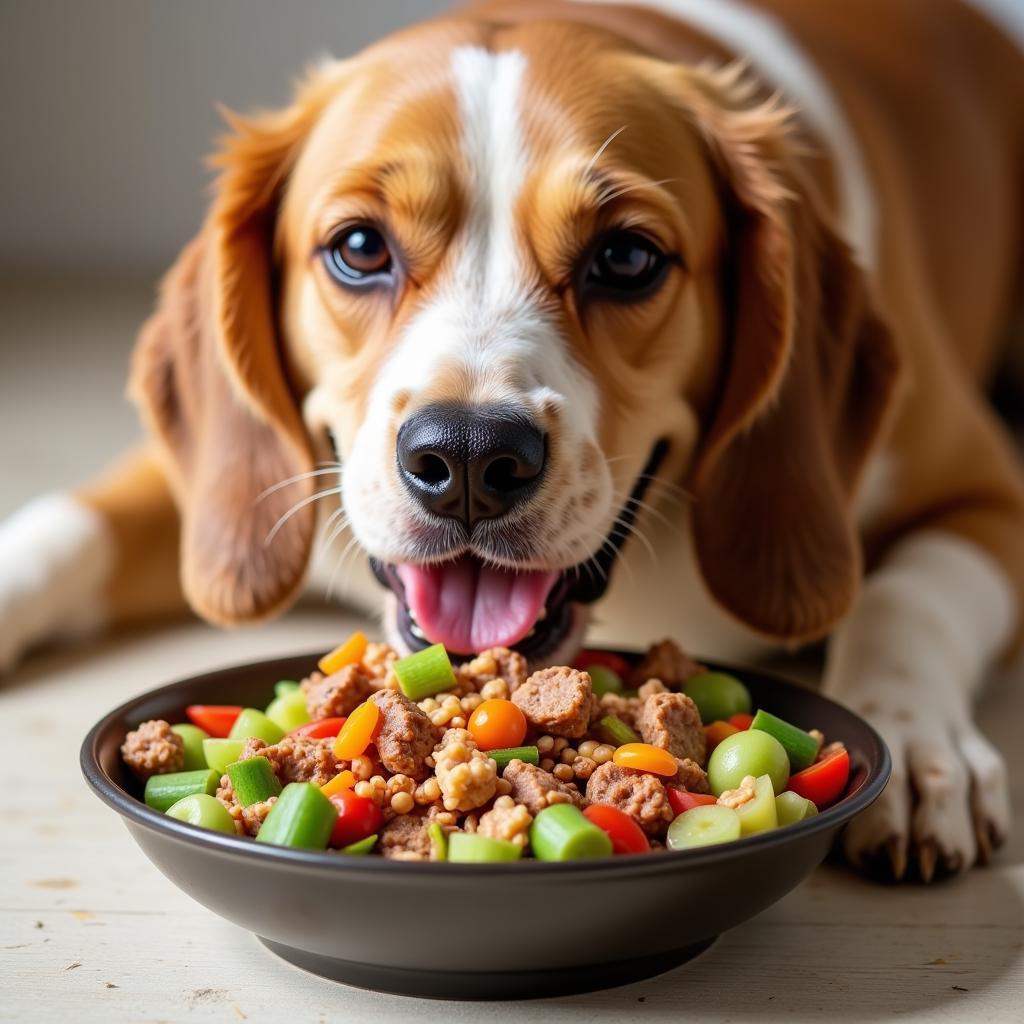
(801, 746)
(253, 780)
(562, 832)
(163, 791)
(219, 753)
(473, 848)
(530, 755)
(425, 673)
(439, 841)
(205, 811)
(616, 731)
(361, 847)
(192, 737)
(302, 818)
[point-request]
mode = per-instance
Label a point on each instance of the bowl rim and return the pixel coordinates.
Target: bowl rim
(137, 813)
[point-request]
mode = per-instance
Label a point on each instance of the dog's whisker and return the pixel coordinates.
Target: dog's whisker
(322, 471)
(600, 151)
(609, 196)
(297, 507)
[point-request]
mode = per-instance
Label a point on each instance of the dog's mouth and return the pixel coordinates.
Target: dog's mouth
(469, 605)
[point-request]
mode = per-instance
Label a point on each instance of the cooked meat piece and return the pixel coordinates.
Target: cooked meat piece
(153, 749)
(466, 775)
(377, 663)
(537, 789)
(671, 721)
(639, 794)
(494, 663)
(337, 695)
(296, 758)
(667, 662)
(691, 776)
(405, 838)
(407, 736)
(556, 701)
(624, 708)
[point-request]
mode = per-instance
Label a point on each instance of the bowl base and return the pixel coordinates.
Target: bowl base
(428, 984)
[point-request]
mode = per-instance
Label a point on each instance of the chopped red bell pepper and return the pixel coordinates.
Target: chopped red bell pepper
(682, 800)
(609, 659)
(358, 817)
(741, 721)
(823, 783)
(215, 719)
(320, 729)
(625, 834)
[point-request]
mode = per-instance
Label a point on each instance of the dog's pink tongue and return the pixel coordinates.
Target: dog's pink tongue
(469, 607)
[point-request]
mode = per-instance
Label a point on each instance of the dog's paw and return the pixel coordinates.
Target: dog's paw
(946, 806)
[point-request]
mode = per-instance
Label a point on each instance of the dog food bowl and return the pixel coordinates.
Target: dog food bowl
(467, 931)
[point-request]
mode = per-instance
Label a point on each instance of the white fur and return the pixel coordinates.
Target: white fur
(772, 52)
(56, 556)
(485, 319)
(910, 657)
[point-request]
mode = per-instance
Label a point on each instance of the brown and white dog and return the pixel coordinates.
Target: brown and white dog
(547, 274)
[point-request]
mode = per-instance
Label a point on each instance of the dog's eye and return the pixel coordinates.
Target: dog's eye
(358, 254)
(626, 262)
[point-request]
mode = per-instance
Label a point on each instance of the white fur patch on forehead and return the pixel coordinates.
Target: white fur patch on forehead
(489, 90)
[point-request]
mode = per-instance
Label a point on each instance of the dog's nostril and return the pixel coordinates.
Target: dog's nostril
(430, 468)
(503, 475)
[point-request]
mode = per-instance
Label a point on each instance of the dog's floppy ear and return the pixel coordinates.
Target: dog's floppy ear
(808, 378)
(209, 378)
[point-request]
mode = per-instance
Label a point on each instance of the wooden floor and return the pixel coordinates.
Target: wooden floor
(91, 932)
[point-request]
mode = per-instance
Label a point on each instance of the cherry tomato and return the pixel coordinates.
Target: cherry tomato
(358, 731)
(625, 834)
(716, 732)
(358, 817)
(609, 659)
(682, 800)
(497, 724)
(216, 719)
(320, 729)
(741, 721)
(823, 783)
(645, 757)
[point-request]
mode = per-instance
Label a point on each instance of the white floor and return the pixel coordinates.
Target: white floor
(89, 931)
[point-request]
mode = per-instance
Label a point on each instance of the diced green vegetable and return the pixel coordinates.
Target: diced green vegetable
(473, 848)
(253, 722)
(704, 825)
(253, 780)
(752, 752)
(220, 753)
(604, 679)
(361, 847)
(530, 755)
(203, 810)
(192, 736)
(718, 696)
(616, 732)
(302, 818)
(285, 686)
(561, 832)
(801, 746)
(424, 673)
(759, 814)
(162, 791)
(288, 711)
(791, 807)
(438, 840)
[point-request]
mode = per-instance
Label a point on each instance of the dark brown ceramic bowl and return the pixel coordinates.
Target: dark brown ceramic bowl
(477, 931)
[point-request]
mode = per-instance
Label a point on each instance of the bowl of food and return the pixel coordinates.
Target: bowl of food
(483, 830)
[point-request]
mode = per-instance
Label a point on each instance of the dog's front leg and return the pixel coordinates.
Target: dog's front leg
(927, 626)
(105, 554)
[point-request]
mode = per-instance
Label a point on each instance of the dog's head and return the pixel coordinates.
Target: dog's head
(510, 274)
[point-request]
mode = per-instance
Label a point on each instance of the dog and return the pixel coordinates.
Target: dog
(524, 282)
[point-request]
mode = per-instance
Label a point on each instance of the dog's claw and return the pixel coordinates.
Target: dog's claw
(896, 848)
(927, 856)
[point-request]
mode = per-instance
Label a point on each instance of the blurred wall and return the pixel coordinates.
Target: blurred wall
(107, 108)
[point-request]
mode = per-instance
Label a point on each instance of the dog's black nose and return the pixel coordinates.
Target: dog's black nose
(470, 463)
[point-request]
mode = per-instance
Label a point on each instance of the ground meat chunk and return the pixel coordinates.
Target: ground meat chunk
(638, 794)
(557, 701)
(407, 736)
(691, 776)
(495, 663)
(336, 695)
(296, 758)
(405, 838)
(467, 776)
(153, 749)
(671, 721)
(537, 789)
(378, 662)
(624, 708)
(507, 820)
(667, 662)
